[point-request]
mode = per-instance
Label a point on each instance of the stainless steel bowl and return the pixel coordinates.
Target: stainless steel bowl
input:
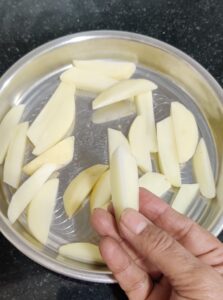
(32, 80)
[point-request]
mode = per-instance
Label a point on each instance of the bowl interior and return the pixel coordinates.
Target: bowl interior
(34, 78)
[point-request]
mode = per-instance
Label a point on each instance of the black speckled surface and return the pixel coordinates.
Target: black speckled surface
(194, 26)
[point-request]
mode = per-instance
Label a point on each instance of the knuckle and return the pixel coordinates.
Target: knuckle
(156, 240)
(136, 284)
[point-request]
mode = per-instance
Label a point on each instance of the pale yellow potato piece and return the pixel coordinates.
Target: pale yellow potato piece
(116, 69)
(87, 80)
(7, 128)
(80, 187)
(123, 90)
(113, 112)
(101, 193)
(61, 154)
(83, 252)
(185, 131)
(124, 181)
(15, 156)
(115, 139)
(26, 192)
(167, 152)
(40, 210)
(144, 107)
(55, 119)
(185, 197)
(139, 143)
(156, 183)
(203, 171)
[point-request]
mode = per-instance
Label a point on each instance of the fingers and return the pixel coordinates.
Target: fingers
(171, 258)
(181, 228)
(104, 223)
(132, 279)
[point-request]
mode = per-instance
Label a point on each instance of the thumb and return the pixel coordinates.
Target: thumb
(154, 244)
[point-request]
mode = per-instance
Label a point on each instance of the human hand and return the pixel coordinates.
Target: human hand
(159, 254)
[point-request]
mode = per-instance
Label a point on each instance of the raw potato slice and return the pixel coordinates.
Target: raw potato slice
(123, 90)
(113, 112)
(144, 106)
(203, 171)
(167, 151)
(61, 154)
(185, 196)
(87, 80)
(115, 69)
(7, 128)
(115, 139)
(185, 130)
(139, 143)
(124, 181)
(54, 120)
(26, 192)
(40, 210)
(101, 193)
(83, 252)
(14, 158)
(80, 187)
(155, 183)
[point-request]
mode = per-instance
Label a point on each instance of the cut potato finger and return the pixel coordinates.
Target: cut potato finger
(61, 154)
(156, 183)
(185, 130)
(15, 155)
(185, 197)
(83, 252)
(139, 143)
(87, 80)
(27, 191)
(123, 90)
(80, 187)
(167, 152)
(7, 128)
(113, 112)
(115, 69)
(101, 193)
(124, 181)
(115, 139)
(144, 106)
(54, 120)
(203, 170)
(40, 210)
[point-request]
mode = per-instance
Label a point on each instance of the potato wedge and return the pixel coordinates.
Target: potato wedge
(83, 252)
(185, 197)
(123, 90)
(101, 193)
(139, 143)
(144, 107)
(87, 80)
(124, 181)
(185, 131)
(26, 192)
(156, 183)
(203, 171)
(113, 112)
(61, 154)
(80, 187)
(55, 119)
(167, 152)
(40, 210)
(7, 128)
(15, 156)
(115, 139)
(115, 69)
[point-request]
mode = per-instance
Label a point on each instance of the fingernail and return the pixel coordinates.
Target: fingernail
(133, 220)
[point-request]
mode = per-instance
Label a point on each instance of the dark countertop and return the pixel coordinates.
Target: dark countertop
(194, 26)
